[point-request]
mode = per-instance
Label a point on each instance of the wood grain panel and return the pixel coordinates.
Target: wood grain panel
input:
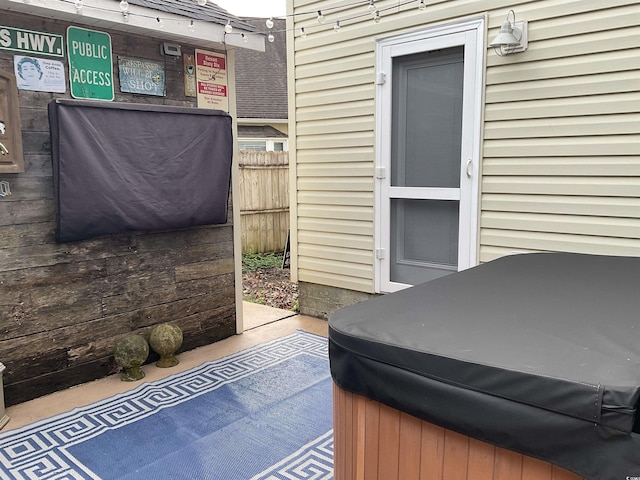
(360, 438)
(264, 201)
(340, 447)
(508, 465)
(349, 442)
(456, 456)
(431, 451)
(481, 460)
(389, 443)
(375, 442)
(558, 473)
(371, 445)
(534, 469)
(409, 451)
(64, 306)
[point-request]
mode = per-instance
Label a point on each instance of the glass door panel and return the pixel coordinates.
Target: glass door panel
(424, 240)
(426, 148)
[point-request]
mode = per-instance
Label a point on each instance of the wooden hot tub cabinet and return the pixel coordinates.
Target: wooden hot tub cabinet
(375, 442)
(529, 363)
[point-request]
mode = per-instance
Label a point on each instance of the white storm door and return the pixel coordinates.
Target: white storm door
(427, 155)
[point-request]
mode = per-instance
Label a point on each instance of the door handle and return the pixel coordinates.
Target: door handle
(3, 149)
(469, 167)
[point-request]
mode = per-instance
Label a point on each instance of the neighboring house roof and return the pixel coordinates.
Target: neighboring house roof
(253, 131)
(210, 12)
(106, 14)
(261, 77)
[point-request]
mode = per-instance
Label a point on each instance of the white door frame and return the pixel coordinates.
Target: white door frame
(471, 34)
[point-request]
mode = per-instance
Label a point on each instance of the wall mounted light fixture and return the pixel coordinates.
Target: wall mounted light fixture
(512, 37)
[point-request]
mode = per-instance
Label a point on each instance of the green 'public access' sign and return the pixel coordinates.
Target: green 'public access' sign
(90, 64)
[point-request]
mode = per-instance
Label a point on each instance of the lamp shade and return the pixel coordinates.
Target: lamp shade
(507, 37)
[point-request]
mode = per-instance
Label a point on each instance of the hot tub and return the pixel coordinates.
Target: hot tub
(532, 360)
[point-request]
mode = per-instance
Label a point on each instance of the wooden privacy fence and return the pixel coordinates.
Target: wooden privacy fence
(264, 200)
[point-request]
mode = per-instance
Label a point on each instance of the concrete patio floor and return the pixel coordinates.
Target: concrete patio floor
(261, 324)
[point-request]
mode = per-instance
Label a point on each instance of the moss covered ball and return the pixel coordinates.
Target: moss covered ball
(166, 340)
(130, 353)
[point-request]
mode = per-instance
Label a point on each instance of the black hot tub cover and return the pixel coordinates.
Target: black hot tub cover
(536, 353)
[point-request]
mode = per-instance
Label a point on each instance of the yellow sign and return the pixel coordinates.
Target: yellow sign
(211, 80)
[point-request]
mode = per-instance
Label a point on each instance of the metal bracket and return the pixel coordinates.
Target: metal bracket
(5, 190)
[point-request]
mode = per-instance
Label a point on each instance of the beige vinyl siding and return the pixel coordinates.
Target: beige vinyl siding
(561, 166)
(503, 241)
(335, 107)
(594, 104)
(623, 207)
(561, 133)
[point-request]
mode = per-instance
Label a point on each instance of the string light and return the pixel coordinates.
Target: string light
(371, 6)
(269, 23)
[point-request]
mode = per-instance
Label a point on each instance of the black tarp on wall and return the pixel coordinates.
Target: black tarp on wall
(121, 168)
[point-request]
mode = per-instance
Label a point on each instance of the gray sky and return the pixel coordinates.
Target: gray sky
(254, 8)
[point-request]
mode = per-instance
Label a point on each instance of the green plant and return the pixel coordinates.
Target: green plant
(296, 306)
(259, 301)
(252, 262)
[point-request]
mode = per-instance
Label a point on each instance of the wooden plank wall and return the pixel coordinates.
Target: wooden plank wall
(264, 194)
(375, 442)
(64, 306)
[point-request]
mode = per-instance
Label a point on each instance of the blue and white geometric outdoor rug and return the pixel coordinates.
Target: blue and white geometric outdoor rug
(262, 414)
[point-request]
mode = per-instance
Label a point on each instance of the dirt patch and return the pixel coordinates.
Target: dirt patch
(272, 287)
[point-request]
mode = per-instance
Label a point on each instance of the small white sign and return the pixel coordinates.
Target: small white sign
(39, 74)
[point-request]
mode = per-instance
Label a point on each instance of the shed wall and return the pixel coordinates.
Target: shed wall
(561, 151)
(64, 306)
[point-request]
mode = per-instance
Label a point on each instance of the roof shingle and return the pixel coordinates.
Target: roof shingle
(261, 77)
(210, 12)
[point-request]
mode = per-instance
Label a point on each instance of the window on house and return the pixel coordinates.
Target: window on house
(252, 145)
(263, 145)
